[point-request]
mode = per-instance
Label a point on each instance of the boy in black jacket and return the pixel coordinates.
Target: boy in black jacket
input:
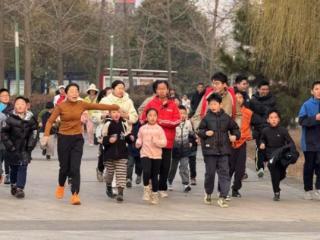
(272, 139)
(214, 132)
(115, 139)
(19, 134)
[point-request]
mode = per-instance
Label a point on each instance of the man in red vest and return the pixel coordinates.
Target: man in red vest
(220, 86)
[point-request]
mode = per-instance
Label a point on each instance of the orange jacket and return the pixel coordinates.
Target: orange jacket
(245, 127)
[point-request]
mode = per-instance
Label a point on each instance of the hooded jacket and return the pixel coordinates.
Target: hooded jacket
(19, 137)
(310, 126)
(125, 104)
(168, 117)
(221, 124)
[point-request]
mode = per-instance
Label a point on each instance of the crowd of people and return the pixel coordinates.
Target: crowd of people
(159, 136)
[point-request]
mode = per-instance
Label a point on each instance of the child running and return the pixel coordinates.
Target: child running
(19, 134)
(151, 139)
(115, 139)
(181, 151)
(280, 150)
(214, 132)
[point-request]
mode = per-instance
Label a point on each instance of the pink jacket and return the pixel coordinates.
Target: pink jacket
(151, 139)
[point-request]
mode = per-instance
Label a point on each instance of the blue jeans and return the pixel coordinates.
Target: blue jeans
(18, 175)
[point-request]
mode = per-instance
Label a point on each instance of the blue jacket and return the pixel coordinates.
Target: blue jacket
(310, 126)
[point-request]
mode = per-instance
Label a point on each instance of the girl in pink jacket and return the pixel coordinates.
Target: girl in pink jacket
(151, 140)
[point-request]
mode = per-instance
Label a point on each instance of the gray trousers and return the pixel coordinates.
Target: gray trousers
(219, 164)
(183, 170)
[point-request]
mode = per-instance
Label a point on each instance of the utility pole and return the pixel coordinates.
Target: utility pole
(111, 58)
(17, 57)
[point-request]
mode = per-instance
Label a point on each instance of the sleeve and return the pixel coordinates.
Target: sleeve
(287, 137)
(33, 138)
(5, 136)
(196, 118)
(305, 120)
(173, 120)
(143, 116)
(98, 106)
(263, 137)
(139, 139)
(56, 112)
(161, 140)
(202, 129)
(128, 139)
(133, 115)
(234, 129)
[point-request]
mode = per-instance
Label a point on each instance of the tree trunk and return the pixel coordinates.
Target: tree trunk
(27, 51)
(60, 45)
(213, 38)
(100, 41)
(2, 62)
(127, 47)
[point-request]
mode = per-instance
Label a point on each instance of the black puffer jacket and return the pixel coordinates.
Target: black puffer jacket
(262, 105)
(221, 124)
(119, 149)
(19, 137)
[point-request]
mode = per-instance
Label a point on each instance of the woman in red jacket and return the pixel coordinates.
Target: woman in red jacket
(168, 119)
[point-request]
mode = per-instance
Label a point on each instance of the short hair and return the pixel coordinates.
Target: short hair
(219, 76)
(116, 83)
(214, 97)
(263, 83)
(201, 83)
(156, 84)
(49, 105)
(4, 90)
(240, 78)
(151, 109)
(274, 111)
(21, 98)
(181, 107)
(72, 85)
(242, 93)
(313, 84)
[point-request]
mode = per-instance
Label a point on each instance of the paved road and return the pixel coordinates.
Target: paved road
(182, 216)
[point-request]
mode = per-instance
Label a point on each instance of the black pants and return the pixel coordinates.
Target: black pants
(18, 175)
(5, 163)
(278, 173)
(260, 156)
(193, 166)
(100, 159)
(134, 162)
(151, 170)
(311, 167)
(219, 164)
(164, 169)
(237, 165)
(70, 149)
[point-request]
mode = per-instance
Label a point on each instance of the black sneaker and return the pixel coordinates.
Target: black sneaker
(13, 190)
(69, 180)
(48, 157)
(276, 196)
(44, 152)
(109, 192)
(120, 195)
(129, 183)
(138, 180)
(20, 193)
(7, 179)
(236, 194)
(187, 188)
(193, 181)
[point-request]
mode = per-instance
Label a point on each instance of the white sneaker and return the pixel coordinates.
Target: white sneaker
(146, 194)
(163, 194)
(308, 195)
(170, 187)
(228, 198)
(316, 195)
